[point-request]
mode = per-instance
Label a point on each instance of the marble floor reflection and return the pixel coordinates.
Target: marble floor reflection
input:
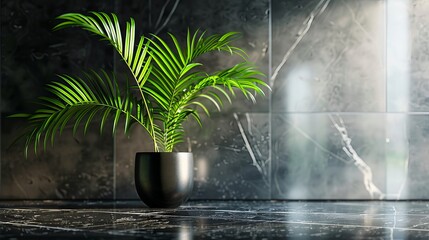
(215, 220)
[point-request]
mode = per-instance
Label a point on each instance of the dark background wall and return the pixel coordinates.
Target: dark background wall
(339, 70)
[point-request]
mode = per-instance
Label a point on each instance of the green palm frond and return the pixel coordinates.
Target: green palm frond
(170, 81)
(177, 83)
(77, 101)
(108, 28)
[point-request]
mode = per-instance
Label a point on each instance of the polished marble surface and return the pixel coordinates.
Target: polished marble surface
(215, 220)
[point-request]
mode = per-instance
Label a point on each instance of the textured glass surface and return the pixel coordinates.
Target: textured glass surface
(407, 55)
(328, 56)
(350, 156)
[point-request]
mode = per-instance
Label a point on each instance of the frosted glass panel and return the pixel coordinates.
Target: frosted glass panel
(350, 156)
(328, 56)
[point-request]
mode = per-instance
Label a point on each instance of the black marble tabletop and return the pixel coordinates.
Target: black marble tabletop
(215, 220)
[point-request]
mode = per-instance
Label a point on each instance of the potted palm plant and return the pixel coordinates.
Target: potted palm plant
(167, 86)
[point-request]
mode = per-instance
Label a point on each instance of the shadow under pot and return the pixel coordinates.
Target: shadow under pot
(164, 179)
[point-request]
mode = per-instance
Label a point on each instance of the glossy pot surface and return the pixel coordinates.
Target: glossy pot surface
(164, 180)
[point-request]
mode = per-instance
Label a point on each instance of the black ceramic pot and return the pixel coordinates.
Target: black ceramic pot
(164, 180)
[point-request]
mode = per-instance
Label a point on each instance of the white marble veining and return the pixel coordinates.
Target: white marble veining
(360, 164)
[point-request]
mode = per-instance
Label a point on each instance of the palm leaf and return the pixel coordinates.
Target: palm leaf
(167, 75)
(75, 100)
(176, 83)
(108, 28)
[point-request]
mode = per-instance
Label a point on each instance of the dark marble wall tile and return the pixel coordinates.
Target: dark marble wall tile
(232, 156)
(328, 56)
(31, 56)
(79, 167)
(126, 147)
(32, 53)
